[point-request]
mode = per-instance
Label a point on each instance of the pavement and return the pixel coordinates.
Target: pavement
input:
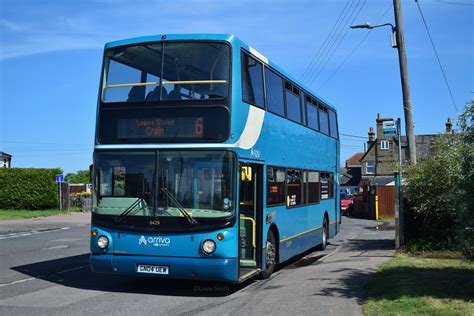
(41, 223)
(44, 270)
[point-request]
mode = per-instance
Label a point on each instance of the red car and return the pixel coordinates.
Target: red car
(347, 205)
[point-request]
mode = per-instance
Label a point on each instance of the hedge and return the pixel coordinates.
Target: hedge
(28, 188)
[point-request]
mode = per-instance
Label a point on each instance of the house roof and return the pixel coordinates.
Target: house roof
(368, 149)
(345, 177)
(4, 154)
(354, 160)
(423, 145)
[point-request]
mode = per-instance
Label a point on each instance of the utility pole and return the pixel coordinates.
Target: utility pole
(407, 110)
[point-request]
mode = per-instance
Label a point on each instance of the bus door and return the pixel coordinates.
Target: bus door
(250, 218)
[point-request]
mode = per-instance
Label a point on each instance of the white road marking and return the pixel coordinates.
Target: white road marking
(44, 275)
(16, 282)
(56, 247)
(29, 233)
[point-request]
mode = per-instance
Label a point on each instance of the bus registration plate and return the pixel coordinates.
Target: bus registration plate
(145, 268)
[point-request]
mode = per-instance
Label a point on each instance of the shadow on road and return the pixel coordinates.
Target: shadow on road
(351, 282)
(404, 282)
(368, 245)
(75, 272)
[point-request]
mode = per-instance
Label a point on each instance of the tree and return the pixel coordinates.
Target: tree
(82, 176)
(466, 216)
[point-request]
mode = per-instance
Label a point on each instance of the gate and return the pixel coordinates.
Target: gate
(387, 196)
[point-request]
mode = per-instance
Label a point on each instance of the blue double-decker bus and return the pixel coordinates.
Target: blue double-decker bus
(210, 162)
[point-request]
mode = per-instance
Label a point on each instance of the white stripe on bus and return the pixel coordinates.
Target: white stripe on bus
(253, 128)
(257, 54)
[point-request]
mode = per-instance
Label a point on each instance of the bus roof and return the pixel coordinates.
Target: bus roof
(215, 37)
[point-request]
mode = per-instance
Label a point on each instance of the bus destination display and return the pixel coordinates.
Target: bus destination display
(168, 127)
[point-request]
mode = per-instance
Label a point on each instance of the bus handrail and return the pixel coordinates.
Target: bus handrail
(246, 218)
(155, 83)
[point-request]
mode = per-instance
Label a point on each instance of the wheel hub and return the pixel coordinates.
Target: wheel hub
(270, 254)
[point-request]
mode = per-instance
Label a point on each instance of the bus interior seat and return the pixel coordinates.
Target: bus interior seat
(154, 95)
(136, 93)
(175, 94)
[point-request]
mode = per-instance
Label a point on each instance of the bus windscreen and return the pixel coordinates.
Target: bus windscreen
(170, 71)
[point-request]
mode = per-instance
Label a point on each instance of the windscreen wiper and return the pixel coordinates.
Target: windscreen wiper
(173, 199)
(129, 211)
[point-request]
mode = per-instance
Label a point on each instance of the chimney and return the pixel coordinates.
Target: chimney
(379, 126)
(371, 137)
(449, 126)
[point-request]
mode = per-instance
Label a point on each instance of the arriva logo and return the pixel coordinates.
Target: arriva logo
(155, 241)
(142, 240)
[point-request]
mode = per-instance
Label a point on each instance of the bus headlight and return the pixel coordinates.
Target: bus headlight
(102, 242)
(209, 246)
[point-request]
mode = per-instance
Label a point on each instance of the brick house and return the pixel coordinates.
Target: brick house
(351, 174)
(380, 161)
(381, 158)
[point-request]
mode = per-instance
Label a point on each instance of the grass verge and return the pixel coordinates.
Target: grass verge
(18, 214)
(421, 285)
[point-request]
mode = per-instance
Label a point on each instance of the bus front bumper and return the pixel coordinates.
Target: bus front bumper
(219, 269)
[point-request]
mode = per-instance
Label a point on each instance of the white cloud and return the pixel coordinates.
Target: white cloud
(10, 25)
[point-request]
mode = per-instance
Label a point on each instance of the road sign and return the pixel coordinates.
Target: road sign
(59, 178)
(389, 128)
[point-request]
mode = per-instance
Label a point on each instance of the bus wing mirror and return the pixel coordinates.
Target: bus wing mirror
(91, 168)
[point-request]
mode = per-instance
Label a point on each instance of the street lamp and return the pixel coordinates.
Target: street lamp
(368, 26)
(398, 41)
(393, 38)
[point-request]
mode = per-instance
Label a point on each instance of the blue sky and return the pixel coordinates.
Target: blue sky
(50, 57)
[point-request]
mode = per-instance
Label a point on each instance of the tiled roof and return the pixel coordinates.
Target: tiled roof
(355, 159)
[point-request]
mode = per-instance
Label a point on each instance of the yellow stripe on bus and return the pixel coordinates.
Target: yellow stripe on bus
(305, 232)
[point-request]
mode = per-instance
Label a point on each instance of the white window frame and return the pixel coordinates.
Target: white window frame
(367, 166)
(384, 145)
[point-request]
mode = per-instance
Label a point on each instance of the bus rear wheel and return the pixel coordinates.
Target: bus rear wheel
(270, 256)
(324, 241)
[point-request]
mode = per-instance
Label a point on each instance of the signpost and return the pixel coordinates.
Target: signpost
(398, 184)
(59, 180)
(389, 128)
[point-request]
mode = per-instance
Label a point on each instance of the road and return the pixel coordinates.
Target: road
(44, 270)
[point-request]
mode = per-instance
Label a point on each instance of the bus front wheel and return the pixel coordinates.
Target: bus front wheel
(270, 260)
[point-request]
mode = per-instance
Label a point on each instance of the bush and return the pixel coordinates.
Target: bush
(28, 188)
(433, 193)
(82, 176)
(440, 190)
(86, 194)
